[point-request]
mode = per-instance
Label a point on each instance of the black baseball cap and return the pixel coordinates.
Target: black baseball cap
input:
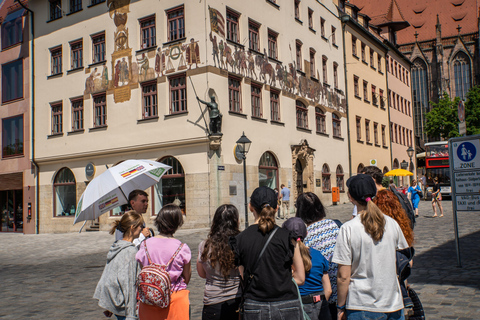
(297, 228)
(361, 187)
(263, 196)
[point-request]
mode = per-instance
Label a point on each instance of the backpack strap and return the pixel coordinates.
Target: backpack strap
(174, 255)
(148, 256)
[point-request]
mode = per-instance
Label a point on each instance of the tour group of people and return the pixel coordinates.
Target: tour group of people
(311, 267)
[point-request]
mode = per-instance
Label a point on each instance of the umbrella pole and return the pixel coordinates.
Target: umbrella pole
(83, 225)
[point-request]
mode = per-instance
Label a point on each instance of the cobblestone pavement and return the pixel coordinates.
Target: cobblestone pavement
(53, 276)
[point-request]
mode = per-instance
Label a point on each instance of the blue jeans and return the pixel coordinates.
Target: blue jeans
(318, 310)
(278, 310)
(368, 315)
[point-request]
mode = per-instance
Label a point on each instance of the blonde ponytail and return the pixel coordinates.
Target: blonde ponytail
(306, 257)
(124, 224)
(373, 221)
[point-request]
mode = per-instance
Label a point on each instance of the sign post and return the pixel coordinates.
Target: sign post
(462, 127)
(464, 153)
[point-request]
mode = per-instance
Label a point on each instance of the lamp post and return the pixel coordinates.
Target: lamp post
(410, 152)
(243, 145)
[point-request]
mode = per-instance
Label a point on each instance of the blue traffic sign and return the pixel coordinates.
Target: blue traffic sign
(466, 152)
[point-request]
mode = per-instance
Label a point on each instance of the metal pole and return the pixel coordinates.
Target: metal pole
(201, 111)
(454, 203)
(245, 189)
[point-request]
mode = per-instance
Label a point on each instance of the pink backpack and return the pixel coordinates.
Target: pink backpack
(153, 282)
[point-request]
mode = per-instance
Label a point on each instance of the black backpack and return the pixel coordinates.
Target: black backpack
(406, 205)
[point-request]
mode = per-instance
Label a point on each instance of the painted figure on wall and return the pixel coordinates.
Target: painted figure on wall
(214, 49)
(144, 66)
(193, 53)
(159, 62)
(118, 10)
(124, 71)
(117, 74)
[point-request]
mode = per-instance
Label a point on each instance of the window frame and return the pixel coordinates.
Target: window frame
(325, 69)
(272, 44)
(335, 75)
(233, 92)
(358, 123)
(75, 6)
(13, 28)
(384, 136)
(176, 18)
(334, 40)
(365, 91)
(19, 131)
(55, 9)
(233, 21)
(57, 118)
(336, 125)
(298, 54)
(297, 9)
(312, 63)
(356, 86)
(320, 121)
(101, 106)
(62, 184)
(76, 54)
(375, 133)
(374, 95)
(340, 178)
(310, 19)
(254, 35)
(354, 46)
(98, 47)
(326, 178)
(364, 54)
(275, 105)
(181, 91)
(148, 32)
(18, 78)
(78, 113)
(301, 115)
(256, 100)
(147, 104)
(367, 131)
(56, 63)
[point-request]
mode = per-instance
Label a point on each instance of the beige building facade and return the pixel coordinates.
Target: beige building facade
(120, 82)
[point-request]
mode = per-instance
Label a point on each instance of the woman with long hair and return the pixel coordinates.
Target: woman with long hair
(436, 198)
(317, 289)
(161, 249)
(116, 289)
(321, 235)
(366, 255)
(215, 263)
(268, 286)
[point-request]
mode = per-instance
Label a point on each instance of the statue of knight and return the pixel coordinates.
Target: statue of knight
(215, 115)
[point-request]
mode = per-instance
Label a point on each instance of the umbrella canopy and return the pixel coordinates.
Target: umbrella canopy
(398, 173)
(111, 189)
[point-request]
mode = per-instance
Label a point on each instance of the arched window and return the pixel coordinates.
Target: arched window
(360, 168)
(320, 120)
(302, 115)
(326, 183)
(336, 125)
(396, 164)
(340, 179)
(171, 188)
(419, 96)
(385, 170)
(268, 171)
(64, 190)
(461, 69)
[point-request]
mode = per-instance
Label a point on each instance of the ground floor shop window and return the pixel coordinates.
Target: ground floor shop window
(268, 171)
(171, 188)
(65, 198)
(11, 214)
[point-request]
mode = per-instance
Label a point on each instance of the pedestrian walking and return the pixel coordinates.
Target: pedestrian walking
(322, 236)
(366, 255)
(414, 192)
(161, 249)
(278, 195)
(316, 290)
(285, 192)
(436, 198)
(215, 263)
(116, 289)
(266, 259)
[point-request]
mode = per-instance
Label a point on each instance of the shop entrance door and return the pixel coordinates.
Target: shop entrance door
(11, 211)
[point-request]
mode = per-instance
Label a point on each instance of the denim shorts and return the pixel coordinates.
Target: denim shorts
(278, 310)
(368, 315)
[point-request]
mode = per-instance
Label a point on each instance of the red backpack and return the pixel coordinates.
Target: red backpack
(153, 282)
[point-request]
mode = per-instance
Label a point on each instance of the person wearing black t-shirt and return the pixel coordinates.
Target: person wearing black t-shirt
(271, 290)
(436, 198)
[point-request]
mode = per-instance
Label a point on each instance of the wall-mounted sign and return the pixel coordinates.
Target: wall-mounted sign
(373, 162)
(221, 168)
(90, 170)
(318, 182)
(237, 152)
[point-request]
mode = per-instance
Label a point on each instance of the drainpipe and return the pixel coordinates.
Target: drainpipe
(388, 110)
(32, 114)
(345, 18)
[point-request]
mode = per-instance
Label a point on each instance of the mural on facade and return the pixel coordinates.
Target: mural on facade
(258, 67)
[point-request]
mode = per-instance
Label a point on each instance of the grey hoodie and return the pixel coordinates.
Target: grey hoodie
(116, 290)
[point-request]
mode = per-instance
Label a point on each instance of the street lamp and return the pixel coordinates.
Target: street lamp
(410, 152)
(243, 145)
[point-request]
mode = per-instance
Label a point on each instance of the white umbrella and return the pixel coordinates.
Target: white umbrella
(111, 189)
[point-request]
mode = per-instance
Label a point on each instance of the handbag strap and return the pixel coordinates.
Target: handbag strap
(174, 255)
(146, 251)
(305, 315)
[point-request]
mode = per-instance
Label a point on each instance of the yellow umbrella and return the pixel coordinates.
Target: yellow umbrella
(398, 173)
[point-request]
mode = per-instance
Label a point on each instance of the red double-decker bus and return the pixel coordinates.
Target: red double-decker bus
(437, 166)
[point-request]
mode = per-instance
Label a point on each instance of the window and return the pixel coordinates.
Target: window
(149, 100)
(310, 18)
(396, 134)
(340, 179)
(367, 131)
(148, 32)
(374, 95)
(375, 133)
(359, 128)
(12, 80)
(371, 58)
(320, 120)
(334, 41)
(364, 58)
(354, 46)
(403, 136)
(336, 125)
(234, 97)
(76, 51)
(326, 182)
(391, 133)
(379, 61)
(232, 26)
(335, 75)
(461, 68)
(382, 100)
(420, 96)
(322, 27)
(365, 91)
(98, 47)
(176, 24)
(12, 136)
(356, 86)
(275, 105)
(268, 171)
(94, 2)
(256, 101)
(324, 70)
(253, 30)
(64, 193)
(384, 138)
(302, 115)
(100, 110)
(77, 114)
(56, 62)
(57, 118)
(178, 94)
(272, 44)
(171, 188)
(409, 109)
(299, 55)
(55, 9)
(312, 63)
(297, 9)
(12, 29)
(75, 5)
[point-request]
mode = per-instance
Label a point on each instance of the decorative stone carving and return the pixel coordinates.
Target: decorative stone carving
(302, 155)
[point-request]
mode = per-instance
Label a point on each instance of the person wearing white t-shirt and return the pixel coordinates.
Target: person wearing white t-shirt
(138, 201)
(366, 256)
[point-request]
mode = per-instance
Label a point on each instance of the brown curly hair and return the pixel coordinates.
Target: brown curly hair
(388, 203)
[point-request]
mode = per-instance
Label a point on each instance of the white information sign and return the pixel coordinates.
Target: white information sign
(464, 154)
(468, 203)
(467, 182)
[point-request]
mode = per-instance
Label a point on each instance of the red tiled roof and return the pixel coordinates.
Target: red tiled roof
(422, 16)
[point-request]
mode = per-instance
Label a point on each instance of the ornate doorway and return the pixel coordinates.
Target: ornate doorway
(299, 170)
(302, 165)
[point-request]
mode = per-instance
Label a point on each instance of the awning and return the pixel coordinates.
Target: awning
(14, 15)
(420, 155)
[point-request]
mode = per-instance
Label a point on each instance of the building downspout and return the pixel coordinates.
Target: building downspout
(32, 115)
(344, 19)
(388, 110)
